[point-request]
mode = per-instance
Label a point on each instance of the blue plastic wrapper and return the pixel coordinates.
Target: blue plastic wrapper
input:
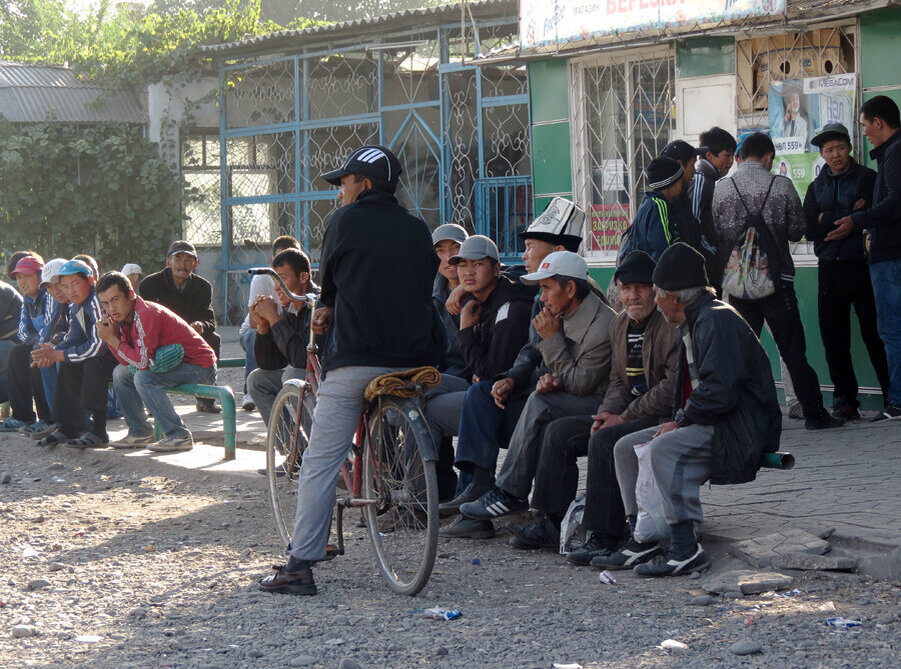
(441, 614)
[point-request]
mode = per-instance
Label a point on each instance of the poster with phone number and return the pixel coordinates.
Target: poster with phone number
(797, 110)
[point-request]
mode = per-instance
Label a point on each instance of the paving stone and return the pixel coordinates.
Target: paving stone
(760, 551)
(807, 562)
(747, 582)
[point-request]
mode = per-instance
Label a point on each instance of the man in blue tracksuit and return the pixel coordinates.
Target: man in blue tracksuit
(654, 229)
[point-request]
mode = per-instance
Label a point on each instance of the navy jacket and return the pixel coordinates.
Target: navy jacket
(883, 218)
(833, 196)
(654, 228)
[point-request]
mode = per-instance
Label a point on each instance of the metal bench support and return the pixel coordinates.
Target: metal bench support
(227, 398)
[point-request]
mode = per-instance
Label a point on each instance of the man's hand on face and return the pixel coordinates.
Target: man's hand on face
(501, 390)
(546, 324)
(45, 355)
(106, 331)
(322, 318)
(469, 315)
(548, 383)
(666, 427)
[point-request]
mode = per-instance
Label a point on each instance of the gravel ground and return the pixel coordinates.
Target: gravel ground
(128, 562)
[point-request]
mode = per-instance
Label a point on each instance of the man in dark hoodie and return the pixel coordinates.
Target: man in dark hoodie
(842, 187)
(715, 158)
(377, 268)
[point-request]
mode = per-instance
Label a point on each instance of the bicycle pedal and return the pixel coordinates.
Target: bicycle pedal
(332, 551)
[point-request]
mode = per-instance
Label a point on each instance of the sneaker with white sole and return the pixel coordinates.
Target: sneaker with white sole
(134, 441)
(890, 412)
(493, 504)
(630, 554)
(673, 564)
(172, 444)
(12, 425)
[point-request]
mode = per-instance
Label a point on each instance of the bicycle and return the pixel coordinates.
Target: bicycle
(389, 473)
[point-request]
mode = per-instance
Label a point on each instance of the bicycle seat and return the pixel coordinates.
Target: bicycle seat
(403, 384)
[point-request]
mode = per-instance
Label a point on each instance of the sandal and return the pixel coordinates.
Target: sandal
(88, 440)
(52, 439)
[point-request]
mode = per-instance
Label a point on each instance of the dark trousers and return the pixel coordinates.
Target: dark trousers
(844, 284)
(780, 311)
(80, 387)
(485, 428)
(566, 440)
(26, 387)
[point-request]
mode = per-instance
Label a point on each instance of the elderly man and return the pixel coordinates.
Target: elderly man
(156, 350)
(644, 363)
(842, 187)
(189, 295)
(727, 417)
(574, 327)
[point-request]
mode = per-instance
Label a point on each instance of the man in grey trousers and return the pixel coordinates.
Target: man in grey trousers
(727, 416)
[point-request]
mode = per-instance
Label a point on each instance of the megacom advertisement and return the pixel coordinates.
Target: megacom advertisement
(543, 22)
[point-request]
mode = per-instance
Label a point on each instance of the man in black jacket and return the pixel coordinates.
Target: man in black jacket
(377, 270)
(189, 295)
(715, 158)
(280, 345)
(842, 187)
(727, 416)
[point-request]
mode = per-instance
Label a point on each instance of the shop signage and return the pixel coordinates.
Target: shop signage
(544, 22)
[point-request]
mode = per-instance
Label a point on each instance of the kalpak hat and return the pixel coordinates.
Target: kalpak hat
(375, 162)
(680, 266)
(181, 246)
(636, 267)
(449, 232)
(662, 172)
(476, 248)
(558, 263)
(27, 265)
(830, 131)
(561, 221)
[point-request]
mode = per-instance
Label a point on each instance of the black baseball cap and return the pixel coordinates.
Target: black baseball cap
(829, 132)
(679, 150)
(181, 246)
(375, 162)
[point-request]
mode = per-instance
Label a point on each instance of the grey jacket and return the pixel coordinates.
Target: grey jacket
(783, 212)
(660, 360)
(579, 354)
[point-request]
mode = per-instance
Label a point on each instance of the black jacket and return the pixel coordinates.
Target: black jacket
(286, 342)
(10, 311)
(491, 345)
(454, 363)
(194, 302)
(736, 392)
(883, 218)
(833, 196)
(701, 196)
(377, 269)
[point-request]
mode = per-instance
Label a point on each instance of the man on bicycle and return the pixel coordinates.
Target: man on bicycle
(377, 268)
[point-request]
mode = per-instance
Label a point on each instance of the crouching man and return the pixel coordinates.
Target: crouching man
(157, 350)
(727, 416)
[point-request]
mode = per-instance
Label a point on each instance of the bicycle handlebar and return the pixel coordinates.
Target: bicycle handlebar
(294, 297)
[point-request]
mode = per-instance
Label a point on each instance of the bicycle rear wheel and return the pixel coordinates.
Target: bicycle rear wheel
(289, 435)
(403, 525)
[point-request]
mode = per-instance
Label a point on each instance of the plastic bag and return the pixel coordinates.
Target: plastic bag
(572, 534)
(651, 524)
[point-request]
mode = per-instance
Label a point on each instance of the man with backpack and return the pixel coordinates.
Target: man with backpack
(757, 214)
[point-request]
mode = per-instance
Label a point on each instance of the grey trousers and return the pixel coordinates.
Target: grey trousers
(680, 462)
(442, 406)
(521, 463)
(335, 419)
(263, 385)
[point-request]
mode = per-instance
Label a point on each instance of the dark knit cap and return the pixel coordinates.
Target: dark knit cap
(636, 267)
(679, 150)
(680, 266)
(662, 172)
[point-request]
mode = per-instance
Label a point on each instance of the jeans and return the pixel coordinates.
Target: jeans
(886, 277)
(146, 388)
(485, 428)
(250, 360)
(264, 385)
(335, 419)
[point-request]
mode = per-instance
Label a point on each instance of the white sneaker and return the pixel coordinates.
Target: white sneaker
(130, 441)
(172, 444)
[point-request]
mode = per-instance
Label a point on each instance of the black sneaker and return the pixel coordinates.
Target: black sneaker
(466, 528)
(846, 412)
(631, 554)
(543, 534)
(823, 421)
(493, 504)
(890, 412)
(592, 548)
(470, 494)
(673, 564)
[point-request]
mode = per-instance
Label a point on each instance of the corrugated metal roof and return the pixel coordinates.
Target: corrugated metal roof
(412, 17)
(33, 93)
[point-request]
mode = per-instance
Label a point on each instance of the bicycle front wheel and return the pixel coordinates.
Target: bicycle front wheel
(403, 524)
(289, 435)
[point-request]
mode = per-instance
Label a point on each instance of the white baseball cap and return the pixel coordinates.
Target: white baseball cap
(51, 269)
(558, 263)
(131, 268)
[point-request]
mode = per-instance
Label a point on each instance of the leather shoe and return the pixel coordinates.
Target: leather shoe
(470, 494)
(541, 534)
(465, 528)
(823, 422)
(289, 582)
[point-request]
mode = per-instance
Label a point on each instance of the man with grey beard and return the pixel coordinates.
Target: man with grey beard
(644, 363)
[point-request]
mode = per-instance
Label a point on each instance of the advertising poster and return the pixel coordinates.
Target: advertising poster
(797, 109)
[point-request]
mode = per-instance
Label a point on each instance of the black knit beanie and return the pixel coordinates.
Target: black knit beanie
(680, 266)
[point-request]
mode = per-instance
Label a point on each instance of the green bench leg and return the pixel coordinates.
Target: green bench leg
(226, 397)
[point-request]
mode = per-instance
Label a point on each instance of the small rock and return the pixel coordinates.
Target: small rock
(246, 553)
(56, 467)
(23, 631)
(885, 620)
(63, 636)
(301, 661)
(674, 646)
(702, 600)
(334, 642)
(39, 583)
(38, 520)
(695, 575)
(745, 647)
(733, 595)
(350, 663)
(339, 620)
(88, 638)
(441, 651)
(253, 652)
(5, 477)
(56, 566)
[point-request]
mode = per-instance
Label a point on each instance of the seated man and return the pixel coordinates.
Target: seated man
(644, 363)
(260, 284)
(86, 365)
(282, 336)
(10, 310)
(574, 327)
(727, 418)
(136, 332)
(187, 294)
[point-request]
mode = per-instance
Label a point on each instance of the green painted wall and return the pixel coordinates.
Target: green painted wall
(880, 46)
(703, 56)
(549, 110)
